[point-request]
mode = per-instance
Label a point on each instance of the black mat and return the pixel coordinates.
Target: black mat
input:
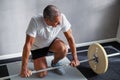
(113, 72)
(4, 71)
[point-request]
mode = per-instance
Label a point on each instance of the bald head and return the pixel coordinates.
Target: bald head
(50, 12)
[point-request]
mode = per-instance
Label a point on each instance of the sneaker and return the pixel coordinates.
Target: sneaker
(59, 71)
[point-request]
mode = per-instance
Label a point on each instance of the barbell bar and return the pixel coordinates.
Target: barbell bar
(46, 69)
(97, 58)
(114, 54)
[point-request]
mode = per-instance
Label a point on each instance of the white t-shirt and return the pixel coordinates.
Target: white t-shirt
(43, 33)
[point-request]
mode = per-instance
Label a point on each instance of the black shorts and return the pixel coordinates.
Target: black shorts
(41, 52)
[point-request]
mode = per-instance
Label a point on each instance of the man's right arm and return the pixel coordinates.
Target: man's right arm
(25, 72)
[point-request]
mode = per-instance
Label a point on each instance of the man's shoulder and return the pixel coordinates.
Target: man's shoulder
(39, 19)
(63, 16)
(37, 16)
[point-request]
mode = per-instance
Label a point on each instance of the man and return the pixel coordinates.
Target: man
(41, 37)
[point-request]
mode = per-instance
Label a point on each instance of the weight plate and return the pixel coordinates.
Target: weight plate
(100, 66)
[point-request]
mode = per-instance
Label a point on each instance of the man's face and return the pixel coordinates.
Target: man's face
(54, 22)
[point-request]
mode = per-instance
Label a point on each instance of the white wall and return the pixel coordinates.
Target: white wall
(91, 20)
(118, 34)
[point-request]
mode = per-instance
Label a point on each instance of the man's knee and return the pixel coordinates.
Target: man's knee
(39, 64)
(42, 74)
(65, 50)
(59, 47)
(62, 49)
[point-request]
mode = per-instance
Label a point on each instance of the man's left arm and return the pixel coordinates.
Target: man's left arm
(71, 42)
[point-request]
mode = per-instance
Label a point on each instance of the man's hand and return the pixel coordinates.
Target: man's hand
(75, 62)
(25, 73)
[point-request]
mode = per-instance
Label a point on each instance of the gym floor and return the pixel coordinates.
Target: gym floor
(113, 72)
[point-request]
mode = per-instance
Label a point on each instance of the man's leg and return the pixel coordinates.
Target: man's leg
(60, 50)
(40, 63)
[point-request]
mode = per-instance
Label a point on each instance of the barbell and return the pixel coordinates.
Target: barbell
(97, 58)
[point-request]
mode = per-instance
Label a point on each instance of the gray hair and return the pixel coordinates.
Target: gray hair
(50, 12)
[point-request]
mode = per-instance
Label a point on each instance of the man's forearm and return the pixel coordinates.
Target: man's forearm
(71, 42)
(25, 57)
(72, 47)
